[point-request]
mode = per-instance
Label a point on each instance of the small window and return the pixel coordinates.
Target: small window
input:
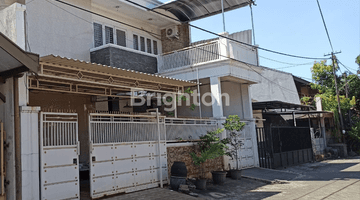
(155, 49)
(98, 35)
(148, 44)
(136, 42)
(109, 35)
(121, 38)
(142, 43)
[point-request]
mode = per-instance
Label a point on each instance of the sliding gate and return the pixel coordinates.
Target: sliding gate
(59, 152)
(127, 153)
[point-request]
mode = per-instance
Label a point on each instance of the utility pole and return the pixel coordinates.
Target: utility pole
(333, 57)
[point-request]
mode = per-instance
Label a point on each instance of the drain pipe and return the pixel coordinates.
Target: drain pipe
(18, 177)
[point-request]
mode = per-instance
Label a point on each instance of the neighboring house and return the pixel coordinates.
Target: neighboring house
(76, 121)
(289, 133)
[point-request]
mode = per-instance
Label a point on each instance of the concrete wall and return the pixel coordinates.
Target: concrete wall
(119, 57)
(81, 103)
(281, 87)
(175, 44)
(54, 28)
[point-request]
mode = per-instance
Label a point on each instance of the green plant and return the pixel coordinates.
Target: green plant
(234, 126)
(354, 134)
(210, 147)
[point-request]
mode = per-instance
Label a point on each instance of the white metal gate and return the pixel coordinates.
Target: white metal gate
(127, 153)
(247, 152)
(59, 152)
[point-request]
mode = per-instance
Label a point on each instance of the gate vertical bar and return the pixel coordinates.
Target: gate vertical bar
(158, 129)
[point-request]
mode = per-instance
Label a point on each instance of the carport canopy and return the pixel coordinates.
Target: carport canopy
(67, 75)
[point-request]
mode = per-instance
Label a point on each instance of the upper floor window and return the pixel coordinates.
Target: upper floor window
(109, 35)
(136, 42)
(104, 34)
(121, 37)
(98, 37)
(142, 44)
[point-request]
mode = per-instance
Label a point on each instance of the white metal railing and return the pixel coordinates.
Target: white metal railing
(178, 129)
(117, 128)
(59, 129)
(219, 49)
(189, 56)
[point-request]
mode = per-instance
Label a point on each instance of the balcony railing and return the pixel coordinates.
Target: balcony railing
(220, 49)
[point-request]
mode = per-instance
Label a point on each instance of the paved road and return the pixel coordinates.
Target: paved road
(330, 180)
(334, 179)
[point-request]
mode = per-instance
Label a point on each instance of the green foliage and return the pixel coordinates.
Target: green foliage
(357, 60)
(210, 147)
(305, 100)
(234, 126)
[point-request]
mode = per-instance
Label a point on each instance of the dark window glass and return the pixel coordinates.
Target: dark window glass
(98, 35)
(121, 38)
(142, 43)
(155, 49)
(109, 35)
(136, 42)
(148, 44)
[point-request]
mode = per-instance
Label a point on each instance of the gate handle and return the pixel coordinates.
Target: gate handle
(78, 148)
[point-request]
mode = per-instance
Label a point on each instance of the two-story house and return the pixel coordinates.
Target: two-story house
(93, 55)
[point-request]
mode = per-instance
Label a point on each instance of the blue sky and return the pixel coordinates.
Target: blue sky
(294, 27)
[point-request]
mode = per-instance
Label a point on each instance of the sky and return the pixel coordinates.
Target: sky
(294, 27)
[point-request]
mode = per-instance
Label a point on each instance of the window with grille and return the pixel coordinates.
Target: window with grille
(142, 43)
(121, 38)
(155, 50)
(148, 44)
(98, 35)
(109, 35)
(136, 42)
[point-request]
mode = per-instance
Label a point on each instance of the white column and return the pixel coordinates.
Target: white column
(322, 119)
(215, 88)
(248, 115)
(29, 120)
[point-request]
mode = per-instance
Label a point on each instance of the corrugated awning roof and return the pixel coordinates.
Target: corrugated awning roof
(190, 10)
(278, 105)
(53, 59)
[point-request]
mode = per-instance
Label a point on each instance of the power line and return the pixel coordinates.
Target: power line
(348, 68)
(109, 18)
(193, 47)
(327, 33)
(207, 31)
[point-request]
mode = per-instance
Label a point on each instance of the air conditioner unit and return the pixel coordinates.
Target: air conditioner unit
(172, 32)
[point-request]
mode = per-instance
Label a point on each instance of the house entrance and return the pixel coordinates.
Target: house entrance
(127, 153)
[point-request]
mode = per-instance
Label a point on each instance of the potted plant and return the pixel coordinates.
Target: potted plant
(210, 147)
(233, 125)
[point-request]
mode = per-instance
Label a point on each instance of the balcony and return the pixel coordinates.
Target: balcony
(205, 53)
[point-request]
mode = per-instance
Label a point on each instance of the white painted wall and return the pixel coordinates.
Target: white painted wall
(276, 86)
(29, 120)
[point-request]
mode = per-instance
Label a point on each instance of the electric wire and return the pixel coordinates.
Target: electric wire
(261, 48)
(327, 33)
(228, 57)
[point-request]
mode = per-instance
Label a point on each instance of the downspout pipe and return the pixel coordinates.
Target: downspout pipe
(18, 176)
